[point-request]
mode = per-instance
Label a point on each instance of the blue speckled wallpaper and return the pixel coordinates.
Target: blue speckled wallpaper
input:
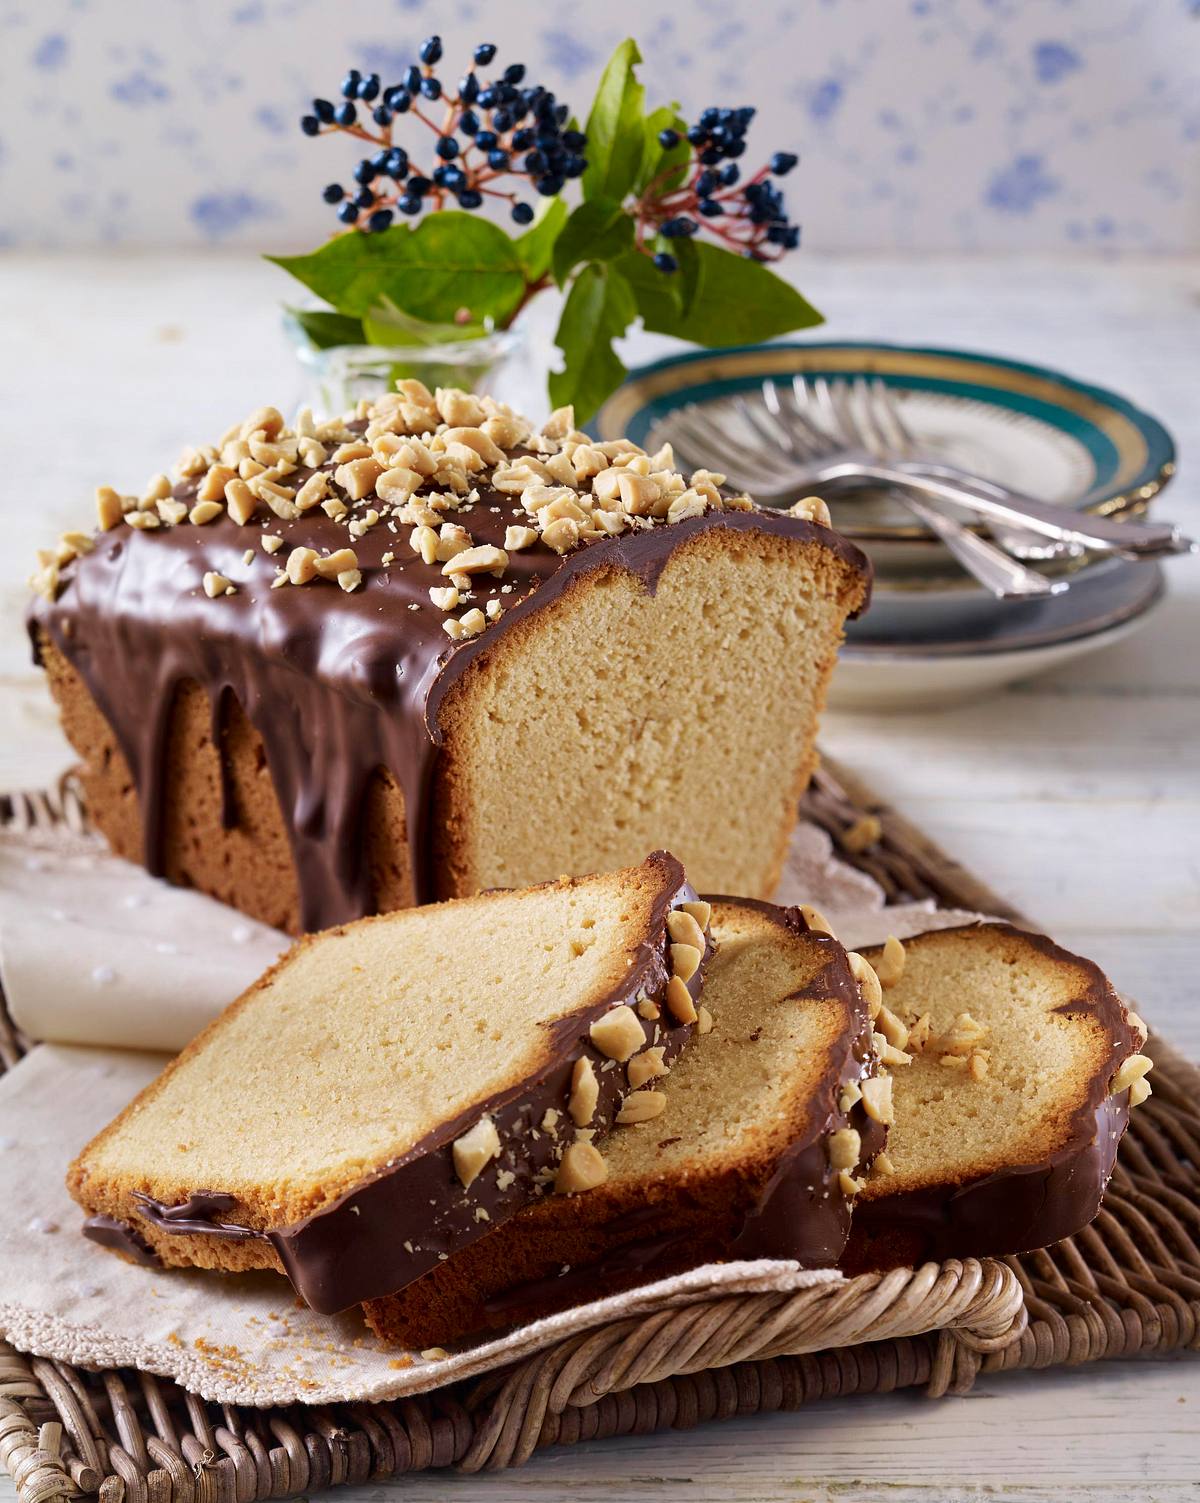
(964, 125)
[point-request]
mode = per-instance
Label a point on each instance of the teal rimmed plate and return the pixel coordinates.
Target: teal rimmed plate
(1034, 428)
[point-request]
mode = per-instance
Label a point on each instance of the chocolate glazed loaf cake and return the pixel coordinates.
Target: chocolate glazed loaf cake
(426, 650)
(1024, 1066)
(392, 1089)
(752, 1145)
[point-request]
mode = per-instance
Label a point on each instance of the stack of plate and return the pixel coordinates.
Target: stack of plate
(932, 634)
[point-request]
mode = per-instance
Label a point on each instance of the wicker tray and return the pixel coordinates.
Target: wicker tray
(1129, 1284)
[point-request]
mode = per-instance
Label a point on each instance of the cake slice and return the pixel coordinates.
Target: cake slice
(339, 668)
(732, 1153)
(392, 1089)
(1024, 1065)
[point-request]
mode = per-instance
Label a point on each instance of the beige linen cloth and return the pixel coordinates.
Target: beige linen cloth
(98, 957)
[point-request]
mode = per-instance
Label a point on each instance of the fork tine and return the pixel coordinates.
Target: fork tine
(803, 403)
(768, 426)
(866, 416)
(695, 441)
(890, 402)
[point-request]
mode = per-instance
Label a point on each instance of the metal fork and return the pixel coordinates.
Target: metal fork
(802, 440)
(798, 455)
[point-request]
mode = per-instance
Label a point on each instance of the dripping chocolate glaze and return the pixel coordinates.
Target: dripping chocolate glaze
(1022, 1206)
(400, 1221)
(337, 685)
(799, 1213)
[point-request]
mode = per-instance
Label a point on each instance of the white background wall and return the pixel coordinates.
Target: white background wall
(976, 125)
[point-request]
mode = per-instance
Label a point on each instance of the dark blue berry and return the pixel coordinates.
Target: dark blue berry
(668, 139)
(365, 172)
(348, 213)
(487, 98)
(502, 120)
(697, 135)
(665, 262)
(364, 198)
(369, 88)
(706, 184)
(412, 78)
(498, 160)
(574, 166)
(710, 208)
(550, 185)
(350, 83)
(345, 114)
(468, 89)
(522, 213)
(484, 53)
(381, 115)
(431, 88)
(468, 123)
(729, 175)
(393, 96)
(486, 139)
(574, 140)
(534, 162)
(397, 162)
(783, 162)
(333, 194)
(419, 185)
(310, 125)
(678, 228)
(446, 148)
(709, 117)
(409, 204)
(514, 73)
(735, 148)
(323, 110)
(523, 139)
(379, 220)
(470, 198)
(431, 50)
(710, 156)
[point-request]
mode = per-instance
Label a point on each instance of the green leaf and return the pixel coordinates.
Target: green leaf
(615, 133)
(659, 296)
(598, 230)
(736, 301)
(599, 308)
(536, 246)
(391, 327)
(326, 328)
(656, 159)
(452, 260)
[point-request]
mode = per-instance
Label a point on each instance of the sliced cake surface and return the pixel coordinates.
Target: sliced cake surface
(725, 1155)
(391, 1089)
(338, 668)
(1007, 1123)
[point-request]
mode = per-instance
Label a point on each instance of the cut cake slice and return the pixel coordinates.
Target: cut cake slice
(392, 1089)
(732, 1154)
(1009, 1116)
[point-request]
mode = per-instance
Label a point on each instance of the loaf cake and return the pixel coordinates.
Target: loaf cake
(424, 650)
(734, 1152)
(393, 1088)
(1024, 1062)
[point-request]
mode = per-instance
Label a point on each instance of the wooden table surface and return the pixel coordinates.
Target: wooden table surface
(1075, 796)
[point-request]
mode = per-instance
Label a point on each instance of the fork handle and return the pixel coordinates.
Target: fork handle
(991, 500)
(1007, 578)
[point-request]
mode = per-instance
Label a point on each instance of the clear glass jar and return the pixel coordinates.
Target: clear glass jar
(340, 375)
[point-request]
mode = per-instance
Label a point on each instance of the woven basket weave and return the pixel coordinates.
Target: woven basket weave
(1129, 1283)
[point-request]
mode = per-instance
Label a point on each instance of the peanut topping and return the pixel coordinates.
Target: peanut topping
(877, 1098)
(642, 1106)
(890, 965)
(585, 1093)
(481, 560)
(475, 1149)
(1131, 1069)
(302, 565)
(816, 920)
(582, 1168)
(700, 911)
(864, 973)
(618, 1034)
(683, 928)
(647, 1065)
(811, 509)
(679, 1001)
(704, 1021)
(845, 1148)
(204, 512)
(216, 584)
(685, 960)
(336, 564)
(109, 510)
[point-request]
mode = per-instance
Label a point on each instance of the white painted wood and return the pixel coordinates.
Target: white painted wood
(1077, 796)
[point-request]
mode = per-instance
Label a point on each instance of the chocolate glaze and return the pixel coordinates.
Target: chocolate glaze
(408, 1215)
(120, 1237)
(1023, 1206)
(337, 685)
(798, 1214)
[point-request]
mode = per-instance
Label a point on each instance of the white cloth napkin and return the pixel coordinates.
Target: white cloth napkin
(96, 952)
